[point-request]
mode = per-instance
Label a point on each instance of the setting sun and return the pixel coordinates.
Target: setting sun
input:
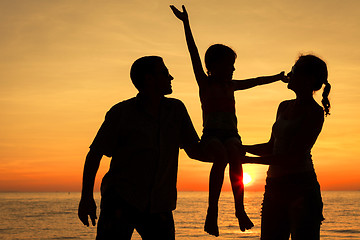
(246, 178)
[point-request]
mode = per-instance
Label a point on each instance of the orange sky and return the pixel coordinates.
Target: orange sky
(63, 64)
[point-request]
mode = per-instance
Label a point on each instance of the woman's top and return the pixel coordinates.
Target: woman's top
(285, 131)
(218, 106)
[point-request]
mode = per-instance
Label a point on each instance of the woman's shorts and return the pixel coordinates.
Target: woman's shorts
(292, 205)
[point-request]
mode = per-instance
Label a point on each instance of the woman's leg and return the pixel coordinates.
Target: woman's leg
(275, 221)
(306, 214)
(235, 152)
(216, 149)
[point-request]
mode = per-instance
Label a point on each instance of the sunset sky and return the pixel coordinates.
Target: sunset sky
(64, 63)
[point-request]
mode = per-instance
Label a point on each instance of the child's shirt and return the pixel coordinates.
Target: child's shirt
(218, 105)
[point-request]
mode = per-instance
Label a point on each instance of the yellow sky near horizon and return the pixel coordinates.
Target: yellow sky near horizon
(63, 64)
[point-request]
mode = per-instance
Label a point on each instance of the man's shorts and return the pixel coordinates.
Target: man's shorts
(118, 220)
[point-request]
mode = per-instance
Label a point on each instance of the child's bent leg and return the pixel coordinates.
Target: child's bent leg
(235, 152)
(216, 180)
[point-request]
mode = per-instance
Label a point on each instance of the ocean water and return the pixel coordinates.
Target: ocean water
(54, 216)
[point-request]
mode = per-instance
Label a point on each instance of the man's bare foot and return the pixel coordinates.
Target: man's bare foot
(211, 226)
(244, 221)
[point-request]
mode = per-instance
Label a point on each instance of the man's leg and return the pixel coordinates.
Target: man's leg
(115, 221)
(275, 222)
(158, 226)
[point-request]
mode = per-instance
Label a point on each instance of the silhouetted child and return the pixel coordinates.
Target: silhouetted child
(220, 136)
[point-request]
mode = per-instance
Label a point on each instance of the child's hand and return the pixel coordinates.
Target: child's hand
(183, 16)
(283, 78)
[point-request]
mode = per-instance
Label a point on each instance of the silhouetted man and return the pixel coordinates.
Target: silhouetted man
(143, 136)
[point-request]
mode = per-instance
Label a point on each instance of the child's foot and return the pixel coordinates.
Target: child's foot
(211, 226)
(244, 221)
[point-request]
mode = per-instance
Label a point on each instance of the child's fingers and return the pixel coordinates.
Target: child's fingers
(183, 8)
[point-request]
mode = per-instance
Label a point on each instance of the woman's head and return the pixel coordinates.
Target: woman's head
(219, 61)
(309, 74)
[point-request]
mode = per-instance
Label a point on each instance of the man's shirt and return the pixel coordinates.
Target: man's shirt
(144, 151)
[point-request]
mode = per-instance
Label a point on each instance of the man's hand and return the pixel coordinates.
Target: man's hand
(87, 207)
(183, 16)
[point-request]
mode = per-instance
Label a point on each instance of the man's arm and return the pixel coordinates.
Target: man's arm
(87, 205)
(196, 151)
(249, 83)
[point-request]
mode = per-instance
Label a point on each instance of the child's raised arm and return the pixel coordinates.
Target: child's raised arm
(200, 75)
(249, 83)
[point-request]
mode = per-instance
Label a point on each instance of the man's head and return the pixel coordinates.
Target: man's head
(149, 74)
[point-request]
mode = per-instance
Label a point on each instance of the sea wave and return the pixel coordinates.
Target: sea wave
(38, 216)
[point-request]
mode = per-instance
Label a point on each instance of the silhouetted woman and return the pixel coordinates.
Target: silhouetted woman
(292, 202)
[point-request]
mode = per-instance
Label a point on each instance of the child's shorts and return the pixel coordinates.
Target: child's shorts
(220, 134)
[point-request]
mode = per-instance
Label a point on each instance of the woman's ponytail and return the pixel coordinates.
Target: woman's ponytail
(325, 101)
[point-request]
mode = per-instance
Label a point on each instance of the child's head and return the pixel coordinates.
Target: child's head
(219, 60)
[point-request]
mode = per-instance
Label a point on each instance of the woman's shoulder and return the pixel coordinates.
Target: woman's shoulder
(285, 103)
(314, 113)
(317, 110)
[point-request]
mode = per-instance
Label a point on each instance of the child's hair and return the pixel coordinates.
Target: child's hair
(216, 53)
(314, 66)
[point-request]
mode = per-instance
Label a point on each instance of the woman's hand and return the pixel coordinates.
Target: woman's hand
(183, 16)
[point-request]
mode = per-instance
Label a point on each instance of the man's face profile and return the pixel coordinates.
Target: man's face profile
(162, 79)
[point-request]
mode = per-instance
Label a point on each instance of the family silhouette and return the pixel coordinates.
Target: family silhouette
(143, 135)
